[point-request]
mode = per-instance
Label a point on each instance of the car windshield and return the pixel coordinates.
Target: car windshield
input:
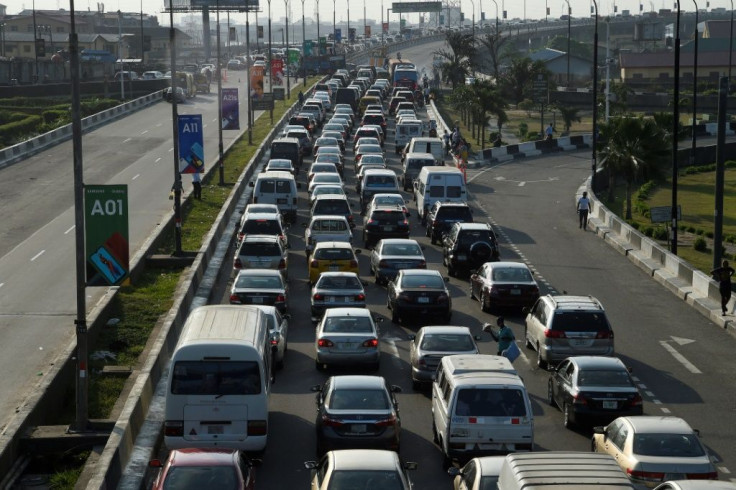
(347, 324)
(196, 477)
(670, 445)
(385, 480)
(403, 249)
(511, 274)
(448, 342)
(580, 321)
(422, 281)
(259, 282)
(357, 399)
(262, 227)
(619, 378)
(338, 282)
(333, 254)
(490, 402)
(488, 483)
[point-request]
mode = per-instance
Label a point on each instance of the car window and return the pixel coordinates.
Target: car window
(385, 480)
(604, 378)
(511, 274)
(422, 281)
(338, 282)
(454, 191)
(468, 237)
(358, 399)
(333, 254)
(619, 438)
(469, 472)
(490, 402)
(216, 378)
(267, 186)
(262, 227)
(329, 225)
(258, 282)
(579, 321)
(335, 324)
(405, 249)
(436, 191)
(447, 343)
(332, 207)
(668, 445)
(260, 248)
(283, 187)
(454, 212)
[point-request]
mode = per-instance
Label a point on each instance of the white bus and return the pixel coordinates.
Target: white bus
(220, 380)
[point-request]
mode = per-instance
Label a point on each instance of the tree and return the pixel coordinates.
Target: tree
(630, 148)
(578, 49)
(620, 98)
(569, 115)
(457, 62)
(495, 42)
(516, 81)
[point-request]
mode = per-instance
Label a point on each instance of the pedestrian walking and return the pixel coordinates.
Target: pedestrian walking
(505, 336)
(549, 132)
(197, 185)
(723, 276)
(301, 97)
(583, 210)
(497, 142)
(446, 138)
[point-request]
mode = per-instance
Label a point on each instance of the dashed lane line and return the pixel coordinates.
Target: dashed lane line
(38, 255)
(70, 229)
(135, 176)
(679, 357)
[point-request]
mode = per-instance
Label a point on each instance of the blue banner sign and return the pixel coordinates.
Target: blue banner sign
(191, 145)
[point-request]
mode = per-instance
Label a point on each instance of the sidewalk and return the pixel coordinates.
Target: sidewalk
(507, 136)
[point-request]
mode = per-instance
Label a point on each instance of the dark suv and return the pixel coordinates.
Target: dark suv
(467, 246)
(384, 222)
(445, 214)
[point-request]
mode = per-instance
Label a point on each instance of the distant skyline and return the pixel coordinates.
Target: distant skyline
(535, 9)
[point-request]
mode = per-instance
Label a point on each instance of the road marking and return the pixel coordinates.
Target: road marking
(681, 341)
(38, 255)
(2, 284)
(204, 126)
(665, 410)
(159, 125)
(70, 229)
(135, 176)
(144, 132)
(171, 149)
(522, 184)
(679, 357)
(127, 139)
(159, 158)
(395, 357)
(215, 119)
(724, 470)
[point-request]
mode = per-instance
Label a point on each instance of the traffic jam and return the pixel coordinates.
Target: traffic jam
(361, 211)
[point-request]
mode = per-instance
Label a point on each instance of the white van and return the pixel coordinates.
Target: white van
(405, 131)
(457, 364)
(412, 165)
(279, 188)
(438, 184)
(427, 145)
(220, 380)
(480, 414)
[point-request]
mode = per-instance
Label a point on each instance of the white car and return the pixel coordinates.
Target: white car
(477, 474)
(278, 327)
(360, 468)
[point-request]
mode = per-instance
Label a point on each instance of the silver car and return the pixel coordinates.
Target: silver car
(260, 287)
(348, 337)
(278, 329)
(391, 255)
(366, 468)
(336, 290)
(262, 252)
(431, 344)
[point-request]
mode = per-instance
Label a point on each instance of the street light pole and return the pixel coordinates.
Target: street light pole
(675, 126)
(270, 71)
(319, 51)
(496, 4)
(334, 27)
(594, 167)
(695, 89)
(286, 26)
(35, 44)
(142, 56)
(730, 49)
(220, 144)
(175, 130)
(569, 15)
(304, 53)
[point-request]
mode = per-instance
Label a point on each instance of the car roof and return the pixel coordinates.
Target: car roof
(259, 272)
(364, 459)
(275, 174)
(324, 197)
(490, 465)
(446, 329)
(261, 238)
(420, 272)
(571, 302)
(338, 274)
(508, 265)
(347, 311)
(202, 456)
(417, 154)
(260, 215)
(358, 381)
(333, 245)
(473, 226)
(488, 378)
(328, 216)
(654, 424)
(597, 362)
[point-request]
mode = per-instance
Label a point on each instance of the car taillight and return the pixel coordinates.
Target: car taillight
(405, 223)
(274, 341)
(241, 236)
(257, 427)
(387, 421)
(353, 263)
(370, 343)
(325, 343)
(235, 299)
(405, 297)
(371, 221)
(350, 218)
(604, 335)
(357, 158)
(422, 362)
(360, 297)
(579, 400)
(238, 264)
(318, 297)
(314, 264)
(282, 264)
(645, 475)
(382, 263)
(255, 200)
(702, 476)
(442, 298)
(330, 422)
(174, 428)
(422, 264)
(280, 298)
(554, 334)
(637, 400)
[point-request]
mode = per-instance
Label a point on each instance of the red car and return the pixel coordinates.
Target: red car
(210, 468)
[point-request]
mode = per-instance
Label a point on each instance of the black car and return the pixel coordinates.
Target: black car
(357, 412)
(416, 293)
(467, 246)
(443, 215)
(592, 389)
(384, 222)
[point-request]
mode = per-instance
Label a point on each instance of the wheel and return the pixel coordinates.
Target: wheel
(374, 367)
(593, 447)
(484, 303)
(472, 291)
(540, 362)
(377, 277)
(566, 417)
(319, 365)
(527, 342)
(550, 394)
(451, 270)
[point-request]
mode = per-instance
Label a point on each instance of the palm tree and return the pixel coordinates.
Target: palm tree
(630, 148)
(569, 115)
(517, 79)
(494, 42)
(458, 58)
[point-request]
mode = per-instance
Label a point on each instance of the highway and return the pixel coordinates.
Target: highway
(681, 361)
(37, 275)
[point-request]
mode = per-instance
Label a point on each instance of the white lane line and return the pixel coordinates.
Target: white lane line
(135, 176)
(665, 410)
(394, 351)
(171, 149)
(2, 284)
(215, 119)
(204, 126)
(159, 125)
(144, 132)
(679, 357)
(724, 470)
(38, 255)
(70, 229)
(159, 158)
(127, 139)
(522, 184)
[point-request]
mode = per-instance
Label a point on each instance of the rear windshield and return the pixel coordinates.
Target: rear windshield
(490, 402)
(419, 163)
(259, 282)
(332, 207)
(380, 181)
(339, 282)
(388, 216)
(445, 191)
(216, 378)
(511, 274)
(470, 237)
(270, 186)
(604, 378)
(422, 281)
(383, 479)
(329, 225)
(283, 148)
(334, 254)
(454, 212)
(262, 227)
(348, 324)
(358, 400)
(669, 445)
(373, 119)
(448, 342)
(580, 321)
(404, 249)
(259, 249)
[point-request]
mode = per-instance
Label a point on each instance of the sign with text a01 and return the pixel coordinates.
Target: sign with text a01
(106, 234)
(409, 7)
(191, 144)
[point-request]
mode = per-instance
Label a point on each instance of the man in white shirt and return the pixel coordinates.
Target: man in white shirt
(583, 210)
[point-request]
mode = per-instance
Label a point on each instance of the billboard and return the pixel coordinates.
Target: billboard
(237, 5)
(409, 7)
(256, 81)
(191, 149)
(230, 109)
(106, 234)
(277, 71)
(367, 31)
(385, 27)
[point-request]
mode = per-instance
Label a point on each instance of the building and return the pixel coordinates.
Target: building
(556, 62)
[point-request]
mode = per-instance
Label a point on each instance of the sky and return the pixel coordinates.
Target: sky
(535, 9)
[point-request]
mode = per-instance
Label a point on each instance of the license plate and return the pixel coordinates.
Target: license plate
(580, 342)
(388, 228)
(610, 405)
(331, 299)
(422, 300)
(347, 345)
(358, 428)
(215, 429)
(462, 257)
(334, 268)
(515, 292)
(281, 200)
(257, 300)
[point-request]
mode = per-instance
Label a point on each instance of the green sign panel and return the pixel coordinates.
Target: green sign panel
(293, 56)
(409, 7)
(106, 234)
(323, 45)
(307, 47)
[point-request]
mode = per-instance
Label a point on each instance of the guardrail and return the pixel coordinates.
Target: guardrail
(21, 151)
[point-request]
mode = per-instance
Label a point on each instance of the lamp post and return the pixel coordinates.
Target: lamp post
(35, 44)
(695, 87)
(247, 77)
(569, 15)
(270, 72)
(319, 51)
(675, 125)
(142, 56)
(334, 27)
(496, 4)
(220, 144)
(286, 26)
(304, 53)
(472, 3)
(594, 167)
(730, 48)
(175, 130)
(2, 37)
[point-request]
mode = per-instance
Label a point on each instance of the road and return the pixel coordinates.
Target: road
(37, 275)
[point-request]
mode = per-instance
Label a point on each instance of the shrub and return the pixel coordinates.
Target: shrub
(523, 129)
(18, 129)
(660, 233)
(649, 231)
(634, 225)
(690, 229)
(700, 245)
(709, 234)
(53, 116)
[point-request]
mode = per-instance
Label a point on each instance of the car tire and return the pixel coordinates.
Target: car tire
(541, 363)
(472, 291)
(416, 385)
(319, 366)
(550, 394)
(566, 418)
(375, 367)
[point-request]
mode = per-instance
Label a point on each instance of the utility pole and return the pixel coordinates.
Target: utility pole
(608, 68)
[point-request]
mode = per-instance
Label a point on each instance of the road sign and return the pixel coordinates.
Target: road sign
(265, 103)
(191, 145)
(230, 109)
(663, 214)
(338, 35)
(106, 234)
(540, 88)
(409, 7)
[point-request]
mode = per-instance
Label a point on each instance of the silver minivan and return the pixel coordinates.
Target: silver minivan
(413, 164)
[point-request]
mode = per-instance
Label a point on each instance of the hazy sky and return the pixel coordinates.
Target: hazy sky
(535, 9)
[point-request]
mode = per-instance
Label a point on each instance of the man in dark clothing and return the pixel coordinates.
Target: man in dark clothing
(723, 276)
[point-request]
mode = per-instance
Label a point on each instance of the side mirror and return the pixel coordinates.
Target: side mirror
(395, 389)
(358, 251)
(487, 327)
(378, 319)
(599, 429)
(525, 310)
(310, 465)
(446, 279)
(454, 471)
(155, 463)
(305, 225)
(286, 316)
(411, 337)
(298, 185)
(410, 465)
(478, 337)
(316, 388)
(251, 184)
